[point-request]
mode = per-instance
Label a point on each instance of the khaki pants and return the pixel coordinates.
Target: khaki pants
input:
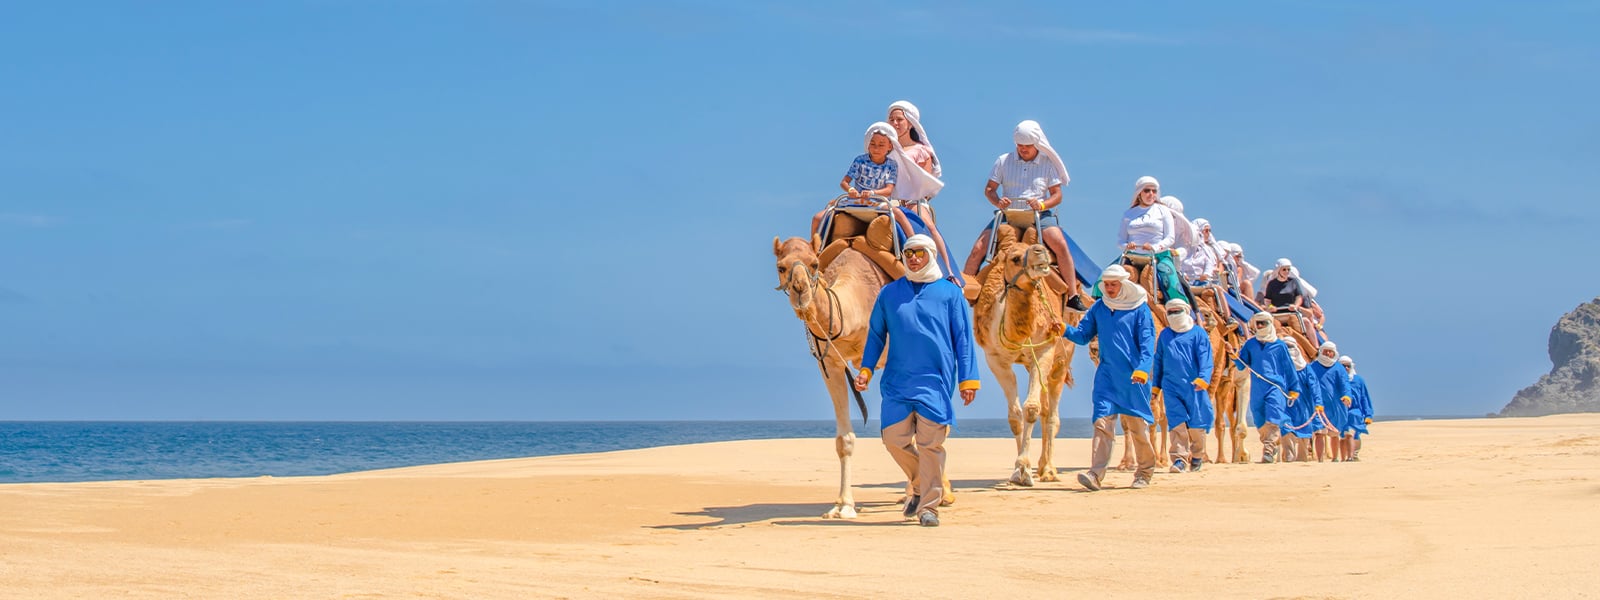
(1187, 444)
(1105, 437)
(917, 445)
(1269, 441)
(1291, 448)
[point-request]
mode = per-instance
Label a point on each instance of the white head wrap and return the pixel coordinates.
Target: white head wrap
(1028, 133)
(1325, 360)
(1144, 182)
(1296, 355)
(1181, 322)
(1266, 330)
(930, 272)
(1201, 224)
(1284, 262)
(1172, 202)
(913, 183)
(915, 117)
(1184, 234)
(1131, 294)
(1305, 286)
(1349, 364)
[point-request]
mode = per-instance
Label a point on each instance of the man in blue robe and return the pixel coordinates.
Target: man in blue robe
(1272, 382)
(1336, 398)
(1361, 410)
(1183, 377)
(931, 357)
(1126, 329)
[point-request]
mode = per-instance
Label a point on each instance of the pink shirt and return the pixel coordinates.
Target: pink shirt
(918, 154)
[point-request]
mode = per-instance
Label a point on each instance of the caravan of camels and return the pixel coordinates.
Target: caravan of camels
(1186, 341)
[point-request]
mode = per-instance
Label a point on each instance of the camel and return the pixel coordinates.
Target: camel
(1228, 394)
(835, 303)
(1011, 322)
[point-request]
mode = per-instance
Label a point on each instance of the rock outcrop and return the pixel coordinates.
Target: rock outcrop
(1574, 384)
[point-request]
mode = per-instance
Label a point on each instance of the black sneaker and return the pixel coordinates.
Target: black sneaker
(928, 518)
(911, 507)
(1194, 465)
(1076, 303)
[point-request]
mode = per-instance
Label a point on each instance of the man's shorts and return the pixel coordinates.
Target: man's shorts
(1046, 219)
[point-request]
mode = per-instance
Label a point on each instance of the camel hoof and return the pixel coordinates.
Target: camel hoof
(840, 511)
(1048, 475)
(948, 499)
(1022, 476)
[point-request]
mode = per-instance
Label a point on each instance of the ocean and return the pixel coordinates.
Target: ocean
(61, 451)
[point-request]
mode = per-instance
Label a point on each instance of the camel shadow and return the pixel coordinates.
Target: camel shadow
(803, 513)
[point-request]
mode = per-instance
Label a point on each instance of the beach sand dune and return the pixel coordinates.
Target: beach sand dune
(1488, 508)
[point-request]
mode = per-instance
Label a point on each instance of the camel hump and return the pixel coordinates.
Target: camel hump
(866, 231)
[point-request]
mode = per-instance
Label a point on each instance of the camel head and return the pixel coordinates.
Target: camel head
(1025, 265)
(797, 271)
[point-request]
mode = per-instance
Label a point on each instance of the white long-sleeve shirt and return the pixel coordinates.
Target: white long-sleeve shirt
(1147, 225)
(1201, 261)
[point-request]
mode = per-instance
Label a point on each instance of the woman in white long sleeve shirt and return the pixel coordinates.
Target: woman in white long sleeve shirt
(1147, 230)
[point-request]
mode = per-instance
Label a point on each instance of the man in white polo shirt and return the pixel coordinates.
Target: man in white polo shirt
(1030, 177)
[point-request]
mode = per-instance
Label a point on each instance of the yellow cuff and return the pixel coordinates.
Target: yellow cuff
(1345, 399)
(1142, 375)
(866, 371)
(1319, 409)
(1369, 421)
(970, 384)
(1200, 382)
(1294, 395)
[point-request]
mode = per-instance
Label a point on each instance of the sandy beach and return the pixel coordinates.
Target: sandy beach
(1484, 508)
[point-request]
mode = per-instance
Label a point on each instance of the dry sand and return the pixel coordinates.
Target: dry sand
(1487, 508)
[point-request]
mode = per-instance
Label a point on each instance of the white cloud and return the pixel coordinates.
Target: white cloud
(36, 221)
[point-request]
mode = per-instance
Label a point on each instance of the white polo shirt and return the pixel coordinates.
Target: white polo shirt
(1024, 179)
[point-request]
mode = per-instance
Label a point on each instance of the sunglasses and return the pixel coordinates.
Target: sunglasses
(1178, 311)
(915, 253)
(1148, 191)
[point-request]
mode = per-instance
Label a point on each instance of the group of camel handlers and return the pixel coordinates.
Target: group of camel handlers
(1306, 403)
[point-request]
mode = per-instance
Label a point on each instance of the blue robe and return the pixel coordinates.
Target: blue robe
(1335, 384)
(1302, 420)
(1361, 407)
(1127, 344)
(931, 326)
(1274, 375)
(1180, 359)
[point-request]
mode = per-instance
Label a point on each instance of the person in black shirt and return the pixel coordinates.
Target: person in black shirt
(1282, 292)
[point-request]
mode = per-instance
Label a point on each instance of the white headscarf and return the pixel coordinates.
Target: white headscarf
(930, 272)
(1305, 286)
(1028, 133)
(1349, 365)
(1184, 235)
(1266, 331)
(1131, 295)
(915, 117)
(1296, 355)
(1143, 182)
(913, 183)
(1324, 359)
(1182, 322)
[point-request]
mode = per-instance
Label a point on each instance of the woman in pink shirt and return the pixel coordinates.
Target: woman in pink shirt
(907, 122)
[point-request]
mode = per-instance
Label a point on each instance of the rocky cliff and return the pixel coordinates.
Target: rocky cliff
(1574, 384)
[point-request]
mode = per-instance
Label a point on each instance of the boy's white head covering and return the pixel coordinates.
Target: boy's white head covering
(1349, 364)
(915, 117)
(1181, 322)
(1296, 355)
(1266, 331)
(1029, 133)
(930, 272)
(1130, 296)
(913, 184)
(1322, 354)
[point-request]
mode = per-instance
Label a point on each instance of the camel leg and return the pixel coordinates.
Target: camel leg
(844, 442)
(1126, 464)
(1021, 423)
(1049, 422)
(1241, 404)
(1158, 430)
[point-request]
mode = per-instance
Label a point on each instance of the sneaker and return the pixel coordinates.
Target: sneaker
(1194, 465)
(1179, 466)
(1076, 303)
(911, 507)
(1140, 483)
(1088, 481)
(928, 518)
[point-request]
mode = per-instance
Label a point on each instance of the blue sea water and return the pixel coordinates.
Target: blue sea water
(53, 451)
(95, 451)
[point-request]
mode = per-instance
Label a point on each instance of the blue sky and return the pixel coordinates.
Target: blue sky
(531, 210)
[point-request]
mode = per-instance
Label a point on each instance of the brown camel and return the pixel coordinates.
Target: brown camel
(1015, 310)
(1225, 381)
(835, 303)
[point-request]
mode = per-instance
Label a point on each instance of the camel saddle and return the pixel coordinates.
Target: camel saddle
(874, 239)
